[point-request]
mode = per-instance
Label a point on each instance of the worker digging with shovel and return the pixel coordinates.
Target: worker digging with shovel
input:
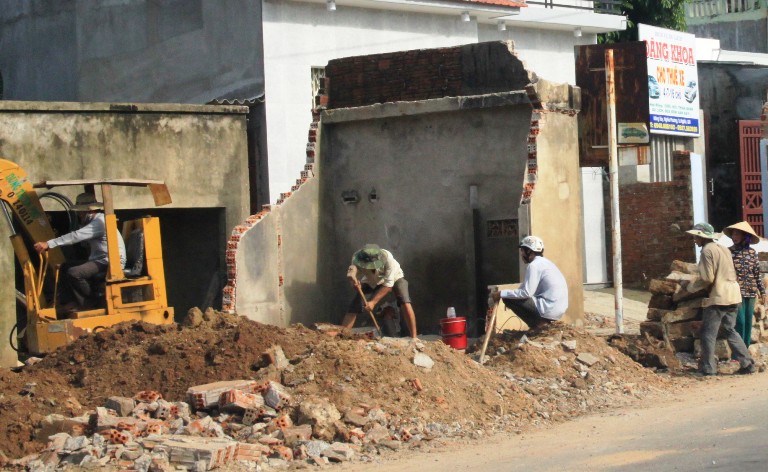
(381, 276)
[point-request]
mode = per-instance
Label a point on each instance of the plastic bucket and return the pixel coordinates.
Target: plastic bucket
(454, 332)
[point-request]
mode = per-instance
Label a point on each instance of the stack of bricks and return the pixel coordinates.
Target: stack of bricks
(674, 311)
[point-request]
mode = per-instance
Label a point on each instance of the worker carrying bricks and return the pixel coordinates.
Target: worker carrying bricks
(382, 277)
(543, 296)
(718, 275)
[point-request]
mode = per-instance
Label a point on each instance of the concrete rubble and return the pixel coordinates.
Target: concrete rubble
(227, 422)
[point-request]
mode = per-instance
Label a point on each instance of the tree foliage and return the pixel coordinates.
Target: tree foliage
(668, 14)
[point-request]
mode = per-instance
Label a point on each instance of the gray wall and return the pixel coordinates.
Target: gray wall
(421, 159)
(180, 51)
(422, 168)
(199, 151)
(748, 35)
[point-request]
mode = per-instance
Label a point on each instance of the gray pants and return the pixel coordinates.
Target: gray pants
(713, 317)
(526, 310)
(78, 277)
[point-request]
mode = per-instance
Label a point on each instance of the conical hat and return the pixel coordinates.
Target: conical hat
(745, 228)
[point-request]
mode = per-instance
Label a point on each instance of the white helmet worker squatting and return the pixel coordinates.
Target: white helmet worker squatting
(533, 243)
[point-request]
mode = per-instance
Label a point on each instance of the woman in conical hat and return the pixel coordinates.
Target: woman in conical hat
(747, 267)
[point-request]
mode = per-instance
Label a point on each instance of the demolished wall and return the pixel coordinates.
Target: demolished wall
(436, 179)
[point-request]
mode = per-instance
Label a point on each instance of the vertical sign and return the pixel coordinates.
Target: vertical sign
(673, 82)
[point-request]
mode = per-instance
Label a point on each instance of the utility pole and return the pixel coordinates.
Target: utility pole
(613, 173)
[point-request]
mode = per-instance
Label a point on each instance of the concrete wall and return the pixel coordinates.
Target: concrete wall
(555, 208)
(299, 36)
(199, 151)
(179, 51)
(422, 167)
(280, 259)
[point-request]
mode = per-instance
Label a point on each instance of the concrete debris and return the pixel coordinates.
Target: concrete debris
(422, 360)
(322, 415)
(122, 406)
(588, 359)
(278, 423)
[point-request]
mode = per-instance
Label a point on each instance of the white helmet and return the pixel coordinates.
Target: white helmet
(533, 243)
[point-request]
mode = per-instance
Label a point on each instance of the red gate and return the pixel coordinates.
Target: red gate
(750, 133)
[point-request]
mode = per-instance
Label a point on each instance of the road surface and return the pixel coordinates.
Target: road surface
(719, 424)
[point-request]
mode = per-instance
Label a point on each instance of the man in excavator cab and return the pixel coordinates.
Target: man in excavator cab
(82, 277)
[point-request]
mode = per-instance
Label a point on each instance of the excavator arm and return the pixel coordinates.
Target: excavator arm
(18, 195)
(17, 191)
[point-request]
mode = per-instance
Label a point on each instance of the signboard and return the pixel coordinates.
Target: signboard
(633, 133)
(673, 82)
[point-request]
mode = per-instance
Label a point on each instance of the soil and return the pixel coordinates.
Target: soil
(527, 380)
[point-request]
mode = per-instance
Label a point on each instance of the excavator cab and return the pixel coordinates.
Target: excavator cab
(136, 293)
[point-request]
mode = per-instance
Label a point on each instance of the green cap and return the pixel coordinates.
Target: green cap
(704, 230)
(369, 257)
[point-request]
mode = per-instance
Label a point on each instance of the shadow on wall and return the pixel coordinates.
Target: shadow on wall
(192, 239)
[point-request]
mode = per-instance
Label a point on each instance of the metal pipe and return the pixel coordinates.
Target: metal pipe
(8, 217)
(613, 172)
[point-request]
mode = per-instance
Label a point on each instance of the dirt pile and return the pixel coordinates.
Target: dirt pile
(549, 376)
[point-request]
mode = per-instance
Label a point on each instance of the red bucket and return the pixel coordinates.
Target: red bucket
(454, 332)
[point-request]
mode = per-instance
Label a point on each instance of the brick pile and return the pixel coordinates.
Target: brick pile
(248, 423)
(675, 312)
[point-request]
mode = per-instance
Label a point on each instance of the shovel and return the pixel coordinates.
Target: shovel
(489, 328)
(364, 301)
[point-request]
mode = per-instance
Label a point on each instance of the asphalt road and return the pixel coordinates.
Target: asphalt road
(719, 424)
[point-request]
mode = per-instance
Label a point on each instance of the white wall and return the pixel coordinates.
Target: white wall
(299, 36)
(547, 52)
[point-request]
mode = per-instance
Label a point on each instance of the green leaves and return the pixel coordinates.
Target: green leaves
(662, 13)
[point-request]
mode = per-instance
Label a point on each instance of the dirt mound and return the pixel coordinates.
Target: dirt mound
(567, 371)
(547, 376)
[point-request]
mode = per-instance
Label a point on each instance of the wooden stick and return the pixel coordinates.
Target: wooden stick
(365, 306)
(489, 328)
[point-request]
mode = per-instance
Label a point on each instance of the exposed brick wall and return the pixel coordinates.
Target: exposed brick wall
(472, 69)
(648, 211)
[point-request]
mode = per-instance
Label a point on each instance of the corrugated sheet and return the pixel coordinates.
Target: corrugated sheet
(247, 102)
(662, 147)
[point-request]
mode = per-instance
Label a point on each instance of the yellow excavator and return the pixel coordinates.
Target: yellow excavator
(136, 293)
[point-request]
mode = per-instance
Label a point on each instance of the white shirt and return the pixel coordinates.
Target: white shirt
(94, 232)
(386, 276)
(544, 283)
